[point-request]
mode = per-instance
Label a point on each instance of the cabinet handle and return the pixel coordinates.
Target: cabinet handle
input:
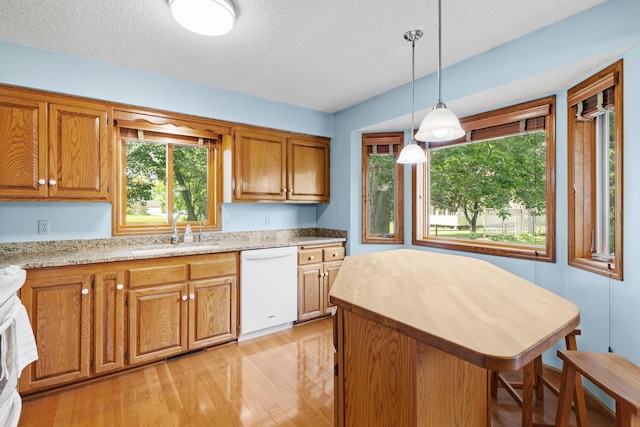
(52, 182)
(192, 296)
(84, 291)
(184, 297)
(119, 286)
(41, 181)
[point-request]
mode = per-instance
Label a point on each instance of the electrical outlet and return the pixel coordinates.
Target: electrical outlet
(44, 226)
(267, 220)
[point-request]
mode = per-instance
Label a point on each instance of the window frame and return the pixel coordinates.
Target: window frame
(486, 123)
(180, 126)
(395, 139)
(581, 155)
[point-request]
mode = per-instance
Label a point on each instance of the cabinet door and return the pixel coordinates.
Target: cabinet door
(308, 170)
(330, 273)
(78, 151)
(109, 321)
(310, 292)
(259, 166)
(212, 311)
(59, 309)
(157, 322)
(23, 144)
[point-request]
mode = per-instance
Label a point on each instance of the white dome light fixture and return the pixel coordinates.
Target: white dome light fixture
(206, 17)
(412, 153)
(440, 124)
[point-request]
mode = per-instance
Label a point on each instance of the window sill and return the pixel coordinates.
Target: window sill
(608, 269)
(487, 248)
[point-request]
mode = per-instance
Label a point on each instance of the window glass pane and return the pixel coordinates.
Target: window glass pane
(146, 172)
(190, 182)
(381, 194)
(612, 181)
(491, 191)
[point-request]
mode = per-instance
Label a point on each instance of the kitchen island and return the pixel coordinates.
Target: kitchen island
(418, 333)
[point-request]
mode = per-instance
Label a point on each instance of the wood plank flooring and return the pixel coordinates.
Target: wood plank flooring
(283, 379)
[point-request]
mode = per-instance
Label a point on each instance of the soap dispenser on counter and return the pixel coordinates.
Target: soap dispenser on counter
(188, 235)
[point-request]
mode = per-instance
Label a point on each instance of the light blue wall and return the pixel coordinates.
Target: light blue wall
(27, 66)
(610, 309)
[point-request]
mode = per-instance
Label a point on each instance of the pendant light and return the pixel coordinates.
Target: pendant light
(412, 153)
(206, 17)
(440, 124)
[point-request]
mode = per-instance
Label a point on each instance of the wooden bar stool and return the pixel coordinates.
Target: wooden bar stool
(539, 382)
(614, 374)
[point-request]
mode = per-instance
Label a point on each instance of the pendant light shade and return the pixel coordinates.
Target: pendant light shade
(440, 124)
(206, 17)
(412, 153)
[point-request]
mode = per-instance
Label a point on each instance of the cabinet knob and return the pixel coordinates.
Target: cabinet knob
(119, 286)
(42, 181)
(184, 297)
(335, 254)
(52, 182)
(311, 257)
(84, 291)
(192, 296)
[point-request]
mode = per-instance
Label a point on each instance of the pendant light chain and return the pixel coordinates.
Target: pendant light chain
(413, 78)
(439, 50)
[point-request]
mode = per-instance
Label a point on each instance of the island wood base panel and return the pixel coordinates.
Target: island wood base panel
(387, 378)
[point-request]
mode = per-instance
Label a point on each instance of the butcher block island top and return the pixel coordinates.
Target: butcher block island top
(464, 306)
(418, 333)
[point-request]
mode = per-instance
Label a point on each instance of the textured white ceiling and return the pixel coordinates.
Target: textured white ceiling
(325, 55)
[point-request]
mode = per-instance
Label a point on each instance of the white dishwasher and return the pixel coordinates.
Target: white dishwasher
(268, 291)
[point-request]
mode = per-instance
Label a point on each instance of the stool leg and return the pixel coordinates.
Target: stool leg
(539, 383)
(494, 383)
(578, 396)
(567, 387)
(528, 378)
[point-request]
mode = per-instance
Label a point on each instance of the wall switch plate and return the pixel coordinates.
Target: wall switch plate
(44, 226)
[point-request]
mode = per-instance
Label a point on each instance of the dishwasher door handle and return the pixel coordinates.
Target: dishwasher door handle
(266, 255)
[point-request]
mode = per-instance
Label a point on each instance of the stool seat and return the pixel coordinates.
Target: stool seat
(613, 373)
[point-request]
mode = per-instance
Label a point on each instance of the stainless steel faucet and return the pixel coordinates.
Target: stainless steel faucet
(174, 235)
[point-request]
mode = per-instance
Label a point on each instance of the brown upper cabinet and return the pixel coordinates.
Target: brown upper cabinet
(53, 147)
(277, 166)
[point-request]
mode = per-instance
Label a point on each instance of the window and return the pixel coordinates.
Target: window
(382, 188)
(492, 191)
(595, 172)
(163, 170)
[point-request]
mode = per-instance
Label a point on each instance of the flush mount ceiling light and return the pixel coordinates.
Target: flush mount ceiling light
(440, 124)
(206, 17)
(412, 153)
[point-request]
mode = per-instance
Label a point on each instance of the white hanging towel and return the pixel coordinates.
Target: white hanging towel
(27, 350)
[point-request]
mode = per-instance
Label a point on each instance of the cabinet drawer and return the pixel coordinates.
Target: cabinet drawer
(157, 275)
(219, 265)
(334, 253)
(309, 256)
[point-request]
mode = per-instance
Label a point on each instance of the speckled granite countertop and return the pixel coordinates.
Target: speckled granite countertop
(30, 255)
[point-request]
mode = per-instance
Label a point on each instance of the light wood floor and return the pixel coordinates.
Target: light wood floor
(282, 379)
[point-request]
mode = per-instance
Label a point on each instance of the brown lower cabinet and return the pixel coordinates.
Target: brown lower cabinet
(89, 320)
(318, 266)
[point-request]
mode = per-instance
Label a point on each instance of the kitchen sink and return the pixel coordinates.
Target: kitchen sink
(173, 249)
